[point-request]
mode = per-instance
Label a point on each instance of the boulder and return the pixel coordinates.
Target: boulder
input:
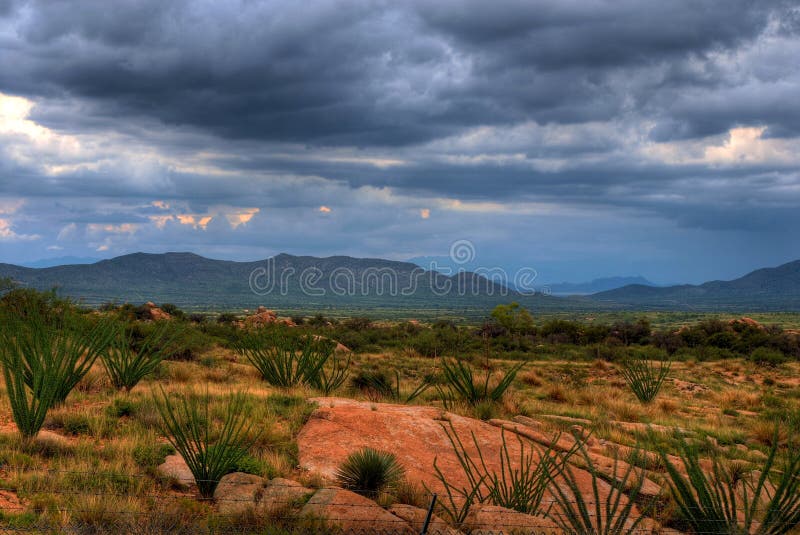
(491, 519)
(353, 513)
(416, 435)
(237, 493)
(416, 519)
(279, 493)
(176, 469)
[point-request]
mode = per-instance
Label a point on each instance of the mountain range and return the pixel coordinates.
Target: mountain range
(596, 285)
(380, 287)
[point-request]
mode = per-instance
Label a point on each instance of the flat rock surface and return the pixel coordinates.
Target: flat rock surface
(416, 519)
(415, 434)
(491, 519)
(354, 513)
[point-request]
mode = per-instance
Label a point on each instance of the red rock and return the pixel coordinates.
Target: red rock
(237, 492)
(354, 513)
(279, 493)
(416, 519)
(491, 519)
(416, 435)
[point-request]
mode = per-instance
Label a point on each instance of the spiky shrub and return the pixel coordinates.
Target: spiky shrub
(31, 388)
(464, 385)
(644, 377)
(284, 359)
(736, 498)
(612, 516)
(378, 384)
(210, 451)
(519, 485)
(43, 359)
(127, 366)
(370, 472)
(331, 378)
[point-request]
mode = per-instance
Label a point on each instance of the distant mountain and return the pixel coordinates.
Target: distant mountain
(283, 282)
(768, 289)
(597, 285)
(60, 261)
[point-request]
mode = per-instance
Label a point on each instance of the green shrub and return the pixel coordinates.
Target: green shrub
(581, 516)
(43, 359)
(462, 383)
(644, 378)
(370, 472)
(209, 453)
(519, 485)
(150, 455)
(121, 407)
(128, 361)
(768, 357)
(377, 384)
(284, 359)
(733, 497)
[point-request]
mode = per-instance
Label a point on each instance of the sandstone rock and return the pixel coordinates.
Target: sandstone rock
(279, 493)
(176, 469)
(491, 519)
(237, 492)
(354, 513)
(263, 316)
(417, 437)
(416, 519)
(156, 314)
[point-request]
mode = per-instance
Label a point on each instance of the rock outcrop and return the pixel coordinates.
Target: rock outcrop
(353, 513)
(176, 469)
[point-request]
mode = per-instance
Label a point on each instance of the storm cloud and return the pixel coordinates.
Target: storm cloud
(551, 134)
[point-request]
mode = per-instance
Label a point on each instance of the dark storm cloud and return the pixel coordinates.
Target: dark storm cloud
(372, 73)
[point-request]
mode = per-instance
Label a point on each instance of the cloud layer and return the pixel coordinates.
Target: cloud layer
(582, 138)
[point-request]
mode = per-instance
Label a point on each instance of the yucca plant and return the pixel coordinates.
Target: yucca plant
(127, 366)
(577, 515)
(519, 485)
(463, 384)
(378, 384)
(32, 388)
(283, 359)
(43, 359)
(209, 451)
(645, 378)
(736, 498)
(329, 379)
(370, 472)
(66, 348)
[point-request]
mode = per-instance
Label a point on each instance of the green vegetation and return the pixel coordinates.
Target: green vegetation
(463, 385)
(370, 472)
(520, 484)
(595, 515)
(736, 497)
(643, 378)
(210, 453)
(285, 359)
(127, 364)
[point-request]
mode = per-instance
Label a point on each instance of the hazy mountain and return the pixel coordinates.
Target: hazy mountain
(596, 285)
(283, 282)
(60, 261)
(769, 289)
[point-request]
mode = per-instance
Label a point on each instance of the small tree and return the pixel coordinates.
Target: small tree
(514, 318)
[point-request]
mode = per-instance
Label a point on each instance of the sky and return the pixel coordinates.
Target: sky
(580, 139)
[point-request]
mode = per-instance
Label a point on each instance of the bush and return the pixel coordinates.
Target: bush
(519, 485)
(464, 385)
(377, 384)
(43, 359)
(736, 498)
(127, 362)
(285, 359)
(768, 357)
(187, 424)
(370, 472)
(643, 378)
(595, 515)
